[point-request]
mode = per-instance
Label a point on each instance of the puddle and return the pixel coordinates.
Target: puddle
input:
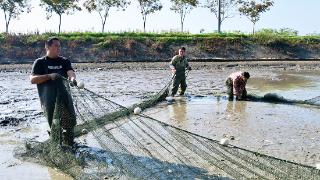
(12, 168)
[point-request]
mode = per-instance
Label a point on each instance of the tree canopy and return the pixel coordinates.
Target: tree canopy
(59, 7)
(103, 7)
(148, 7)
(13, 8)
(252, 10)
(227, 9)
(183, 7)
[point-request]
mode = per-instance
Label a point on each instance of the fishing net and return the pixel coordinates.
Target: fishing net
(140, 147)
(56, 101)
(275, 98)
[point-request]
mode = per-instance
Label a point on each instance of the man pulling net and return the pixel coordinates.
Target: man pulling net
(178, 66)
(236, 85)
(49, 73)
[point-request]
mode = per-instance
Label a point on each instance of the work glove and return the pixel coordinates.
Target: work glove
(54, 76)
(189, 68)
(73, 82)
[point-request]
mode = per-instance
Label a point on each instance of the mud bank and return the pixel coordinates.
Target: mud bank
(81, 48)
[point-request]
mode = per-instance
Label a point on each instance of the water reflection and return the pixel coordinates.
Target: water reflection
(236, 110)
(178, 113)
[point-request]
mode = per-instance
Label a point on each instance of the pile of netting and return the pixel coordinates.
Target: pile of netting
(275, 98)
(140, 147)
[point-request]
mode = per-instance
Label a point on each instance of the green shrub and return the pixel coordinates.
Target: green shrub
(263, 36)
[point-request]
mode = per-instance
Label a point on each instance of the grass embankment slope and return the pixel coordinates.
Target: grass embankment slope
(105, 47)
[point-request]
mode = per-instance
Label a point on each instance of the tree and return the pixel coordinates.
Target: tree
(13, 8)
(148, 7)
(222, 9)
(252, 10)
(59, 7)
(103, 7)
(183, 7)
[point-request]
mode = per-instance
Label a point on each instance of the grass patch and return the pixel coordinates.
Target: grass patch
(103, 40)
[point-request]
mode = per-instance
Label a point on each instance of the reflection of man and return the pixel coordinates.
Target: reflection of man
(178, 66)
(56, 101)
(178, 113)
(236, 85)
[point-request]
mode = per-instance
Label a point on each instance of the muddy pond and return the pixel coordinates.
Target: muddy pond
(290, 132)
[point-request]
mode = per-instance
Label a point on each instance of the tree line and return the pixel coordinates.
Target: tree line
(222, 9)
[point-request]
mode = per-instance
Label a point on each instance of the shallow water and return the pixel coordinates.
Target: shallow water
(301, 85)
(12, 168)
(286, 131)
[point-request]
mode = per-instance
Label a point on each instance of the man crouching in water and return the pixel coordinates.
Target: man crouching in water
(236, 85)
(54, 92)
(178, 66)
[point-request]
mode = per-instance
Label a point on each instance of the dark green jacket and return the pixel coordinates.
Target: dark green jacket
(180, 64)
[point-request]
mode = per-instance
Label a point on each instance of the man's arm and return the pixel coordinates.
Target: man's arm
(187, 65)
(71, 74)
(38, 75)
(39, 79)
(72, 77)
(173, 64)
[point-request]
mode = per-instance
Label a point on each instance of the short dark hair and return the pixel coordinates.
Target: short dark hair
(49, 42)
(246, 75)
(183, 48)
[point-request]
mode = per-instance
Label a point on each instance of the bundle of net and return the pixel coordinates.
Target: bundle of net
(92, 111)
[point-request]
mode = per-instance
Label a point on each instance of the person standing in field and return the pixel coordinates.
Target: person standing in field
(49, 73)
(178, 66)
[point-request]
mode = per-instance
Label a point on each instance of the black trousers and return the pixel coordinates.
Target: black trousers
(178, 81)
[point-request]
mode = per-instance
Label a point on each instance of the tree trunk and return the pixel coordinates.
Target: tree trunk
(104, 18)
(181, 26)
(7, 19)
(253, 28)
(103, 26)
(7, 27)
(181, 22)
(144, 25)
(60, 22)
(219, 16)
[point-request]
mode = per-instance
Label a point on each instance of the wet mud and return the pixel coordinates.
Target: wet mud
(284, 131)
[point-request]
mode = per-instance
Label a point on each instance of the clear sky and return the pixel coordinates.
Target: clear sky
(295, 14)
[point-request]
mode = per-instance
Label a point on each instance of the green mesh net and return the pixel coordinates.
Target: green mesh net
(275, 98)
(140, 147)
